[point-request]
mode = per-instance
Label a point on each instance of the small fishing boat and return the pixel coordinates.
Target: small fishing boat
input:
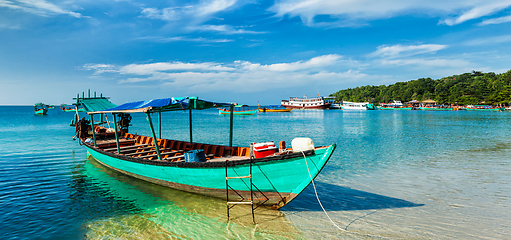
(484, 108)
(436, 108)
(238, 110)
(256, 174)
(274, 108)
(40, 109)
(70, 108)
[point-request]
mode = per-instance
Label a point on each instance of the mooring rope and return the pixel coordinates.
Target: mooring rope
(317, 197)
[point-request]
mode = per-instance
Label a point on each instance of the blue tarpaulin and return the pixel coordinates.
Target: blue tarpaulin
(164, 104)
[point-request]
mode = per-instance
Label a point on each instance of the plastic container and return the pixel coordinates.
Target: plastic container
(196, 155)
(302, 144)
(264, 149)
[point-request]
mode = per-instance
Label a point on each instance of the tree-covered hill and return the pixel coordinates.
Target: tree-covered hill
(465, 89)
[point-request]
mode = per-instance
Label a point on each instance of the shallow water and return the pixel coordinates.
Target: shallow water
(394, 174)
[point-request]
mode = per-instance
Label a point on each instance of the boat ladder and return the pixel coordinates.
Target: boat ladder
(243, 200)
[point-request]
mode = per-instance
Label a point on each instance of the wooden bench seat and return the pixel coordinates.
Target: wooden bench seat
(162, 152)
(126, 147)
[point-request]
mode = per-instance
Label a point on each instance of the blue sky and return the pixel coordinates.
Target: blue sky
(243, 51)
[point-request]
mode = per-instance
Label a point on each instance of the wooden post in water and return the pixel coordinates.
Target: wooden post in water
(116, 135)
(159, 124)
(190, 111)
(231, 125)
(155, 141)
(93, 131)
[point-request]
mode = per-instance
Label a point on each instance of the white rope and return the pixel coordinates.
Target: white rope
(316, 192)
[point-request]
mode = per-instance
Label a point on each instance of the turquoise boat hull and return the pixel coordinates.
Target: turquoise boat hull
(41, 111)
(404, 108)
(248, 112)
(485, 109)
(279, 179)
(436, 109)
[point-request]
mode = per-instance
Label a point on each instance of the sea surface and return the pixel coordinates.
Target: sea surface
(394, 175)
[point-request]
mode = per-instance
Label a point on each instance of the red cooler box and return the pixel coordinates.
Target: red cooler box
(264, 149)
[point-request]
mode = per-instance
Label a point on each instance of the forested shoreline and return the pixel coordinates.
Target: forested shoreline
(465, 89)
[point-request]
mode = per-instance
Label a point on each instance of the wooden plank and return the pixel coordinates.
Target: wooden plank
(162, 153)
(126, 147)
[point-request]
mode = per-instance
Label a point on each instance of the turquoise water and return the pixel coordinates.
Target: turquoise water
(394, 174)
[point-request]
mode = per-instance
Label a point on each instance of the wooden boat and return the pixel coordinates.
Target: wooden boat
(438, 108)
(484, 108)
(40, 109)
(272, 179)
(308, 103)
(274, 108)
(71, 108)
(238, 110)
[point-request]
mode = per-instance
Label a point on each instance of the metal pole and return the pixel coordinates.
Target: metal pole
(116, 135)
(93, 131)
(155, 141)
(231, 124)
(191, 139)
(159, 124)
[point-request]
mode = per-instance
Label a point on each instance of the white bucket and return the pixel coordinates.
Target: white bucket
(302, 144)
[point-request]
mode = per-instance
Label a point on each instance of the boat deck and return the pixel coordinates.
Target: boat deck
(136, 146)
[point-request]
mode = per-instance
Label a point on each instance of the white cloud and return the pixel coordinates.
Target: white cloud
(349, 13)
(488, 40)
(478, 11)
(38, 7)
(496, 20)
(240, 76)
(191, 18)
(403, 51)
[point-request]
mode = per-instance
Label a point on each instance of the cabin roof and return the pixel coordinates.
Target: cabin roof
(95, 104)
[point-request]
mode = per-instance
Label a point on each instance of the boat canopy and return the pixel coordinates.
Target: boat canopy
(162, 105)
(95, 104)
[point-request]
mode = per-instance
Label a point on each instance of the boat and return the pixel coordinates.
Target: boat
(238, 110)
(436, 108)
(484, 108)
(274, 108)
(335, 106)
(40, 109)
(357, 106)
(308, 103)
(258, 174)
(394, 105)
(70, 108)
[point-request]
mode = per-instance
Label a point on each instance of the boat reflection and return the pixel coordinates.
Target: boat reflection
(158, 212)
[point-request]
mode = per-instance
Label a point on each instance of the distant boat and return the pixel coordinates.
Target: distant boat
(484, 108)
(357, 106)
(436, 108)
(261, 174)
(274, 108)
(40, 109)
(70, 108)
(394, 105)
(308, 103)
(238, 110)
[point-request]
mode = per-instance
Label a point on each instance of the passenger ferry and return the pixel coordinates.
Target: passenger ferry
(308, 103)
